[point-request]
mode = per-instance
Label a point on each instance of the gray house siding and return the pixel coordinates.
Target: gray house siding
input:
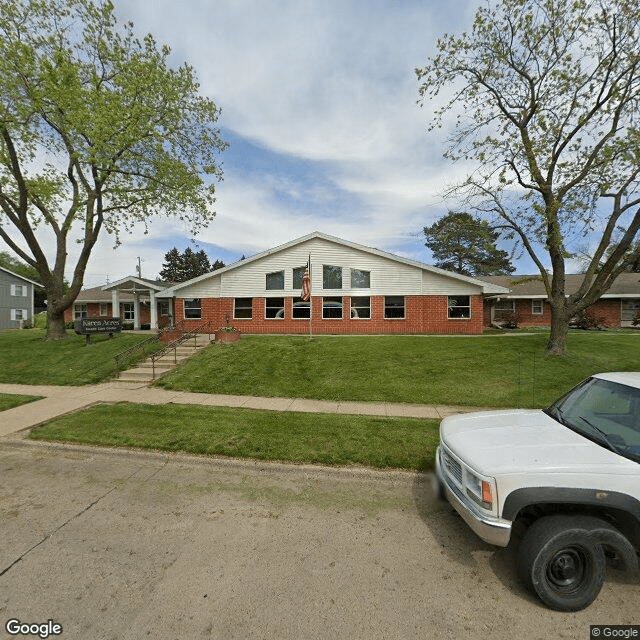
(16, 299)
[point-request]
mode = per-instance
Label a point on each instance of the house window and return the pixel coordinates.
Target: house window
(629, 308)
(18, 290)
(360, 279)
(331, 277)
(394, 307)
(104, 310)
(361, 307)
(275, 281)
(18, 314)
(128, 311)
(163, 308)
(301, 309)
(80, 311)
(459, 307)
(192, 308)
(332, 308)
(298, 274)
(243, 308)
(537, 307)
(274, 308)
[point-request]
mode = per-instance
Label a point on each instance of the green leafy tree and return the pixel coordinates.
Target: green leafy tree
(97, 133)
(178, 267)
(548, 97)
(466, 244)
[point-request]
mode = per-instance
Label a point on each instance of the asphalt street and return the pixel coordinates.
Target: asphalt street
(124, 545)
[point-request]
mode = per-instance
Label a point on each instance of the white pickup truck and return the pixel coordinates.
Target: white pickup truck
(567, 477)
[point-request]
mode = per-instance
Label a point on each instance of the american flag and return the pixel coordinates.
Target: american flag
(306, 283)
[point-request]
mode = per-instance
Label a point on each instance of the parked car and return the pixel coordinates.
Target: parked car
(567, 478)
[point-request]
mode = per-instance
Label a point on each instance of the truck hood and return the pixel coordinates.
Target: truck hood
(504, 442)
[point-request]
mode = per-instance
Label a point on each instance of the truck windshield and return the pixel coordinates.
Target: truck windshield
(606, 412)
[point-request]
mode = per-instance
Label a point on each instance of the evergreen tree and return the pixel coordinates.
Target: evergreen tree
(465, 244)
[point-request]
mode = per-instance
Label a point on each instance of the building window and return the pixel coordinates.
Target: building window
(274, 308)
(301, 309)
(128, 311)
(275, 281)
(18, 290)
(298, 274)
(394, 307)
(163, 308)
(80, 311)
(18, 314)
(192, 308)
(243, 308)
(459, 307)
(537, 307)
(332, 308)
(104, 310)
(361, 307)
(360, 279)
(331, 277)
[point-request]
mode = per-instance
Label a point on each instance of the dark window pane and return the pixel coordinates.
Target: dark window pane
(361, 307)
(275, 281)
(331, 277)
(243, 308)
(459, 306)
(360, 279)
(192, 308)
(274, 308)
(298, 274)
(301, 309)
(332, 308)
(394, 307)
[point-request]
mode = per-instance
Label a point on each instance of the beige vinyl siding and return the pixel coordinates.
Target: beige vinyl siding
(207, 288)
(435, 284)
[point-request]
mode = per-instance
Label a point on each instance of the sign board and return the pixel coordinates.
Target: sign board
(87, 326)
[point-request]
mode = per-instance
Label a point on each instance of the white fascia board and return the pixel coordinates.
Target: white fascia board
(144, 284)
(486, 287)
(17, 275)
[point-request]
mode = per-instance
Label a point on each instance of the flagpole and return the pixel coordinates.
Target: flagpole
(310, 303)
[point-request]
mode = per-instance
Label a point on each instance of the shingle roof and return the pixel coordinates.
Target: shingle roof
(626, 285)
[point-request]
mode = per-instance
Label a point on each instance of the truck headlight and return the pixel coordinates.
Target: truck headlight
(479, 490)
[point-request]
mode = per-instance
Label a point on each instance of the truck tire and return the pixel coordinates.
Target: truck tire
(561, 558)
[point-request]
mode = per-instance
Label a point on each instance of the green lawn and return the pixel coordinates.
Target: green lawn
(26, 358)
(8, 401)
(492, 371)
(401, 443)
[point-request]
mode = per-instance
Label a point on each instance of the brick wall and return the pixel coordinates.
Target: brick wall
(93, 311)
(424, 314)
(606, 310)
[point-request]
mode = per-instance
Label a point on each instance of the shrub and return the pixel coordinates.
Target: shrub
(588, 320)
(636, 319)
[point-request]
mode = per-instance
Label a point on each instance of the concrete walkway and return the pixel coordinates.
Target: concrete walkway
(58, 401)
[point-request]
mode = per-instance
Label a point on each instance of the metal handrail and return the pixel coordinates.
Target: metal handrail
(174, 344)
(139, 345)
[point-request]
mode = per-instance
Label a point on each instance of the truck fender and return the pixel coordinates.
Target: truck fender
(594, 498)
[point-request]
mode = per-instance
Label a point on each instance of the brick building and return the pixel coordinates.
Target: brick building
(527, 301)
(354, 289)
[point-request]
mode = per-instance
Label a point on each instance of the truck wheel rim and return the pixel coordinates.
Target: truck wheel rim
(567, 569)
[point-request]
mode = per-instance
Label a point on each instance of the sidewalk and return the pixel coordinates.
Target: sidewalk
(58, 401)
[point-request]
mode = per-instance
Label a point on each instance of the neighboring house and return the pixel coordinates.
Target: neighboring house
(133, 298)
(354, 289)
(527, 300)
(16, 299)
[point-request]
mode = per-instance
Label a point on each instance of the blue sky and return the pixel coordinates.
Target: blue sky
(319, 105)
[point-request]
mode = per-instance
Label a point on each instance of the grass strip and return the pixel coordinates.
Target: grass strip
(27, 358)
(10, 400)
(488, 371)
(371, 441)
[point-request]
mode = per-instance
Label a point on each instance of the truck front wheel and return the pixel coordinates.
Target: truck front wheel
(562, 560)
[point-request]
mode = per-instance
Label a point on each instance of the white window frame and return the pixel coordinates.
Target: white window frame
(248, 307)
(104, 309)
(328, 307)
(533, 308)
(19, 290)
(460, 306)
(354, 281)
(389, 307)
(128, 311)
(273, 274)
(80, 311)
(19, 314)
(270, 303)
(354, 308)
(194, 308)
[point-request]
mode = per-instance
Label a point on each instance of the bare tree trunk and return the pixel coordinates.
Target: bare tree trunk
(55, 324)
(559, 328)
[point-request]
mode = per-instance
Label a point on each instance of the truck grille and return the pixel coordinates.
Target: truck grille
(452, 467)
